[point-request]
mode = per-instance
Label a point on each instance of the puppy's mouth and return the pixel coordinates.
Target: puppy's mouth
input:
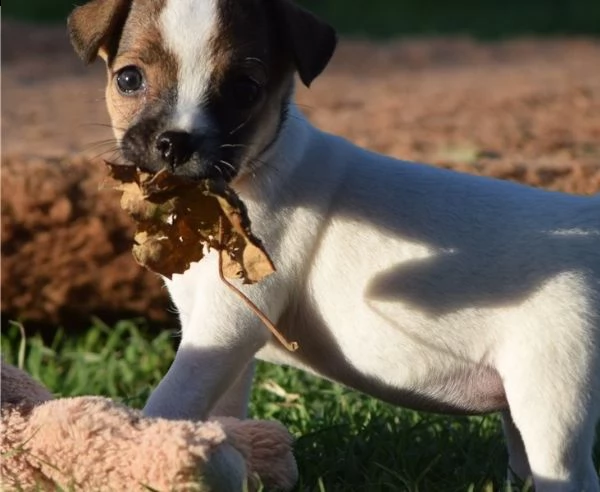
(195, 157)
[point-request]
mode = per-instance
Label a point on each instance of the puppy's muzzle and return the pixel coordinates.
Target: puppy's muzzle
(175, 148)
(189, 154)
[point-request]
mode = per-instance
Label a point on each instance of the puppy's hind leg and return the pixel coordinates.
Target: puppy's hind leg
(552, 391)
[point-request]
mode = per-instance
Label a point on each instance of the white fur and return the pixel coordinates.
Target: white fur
(187, 27)
(414, 273)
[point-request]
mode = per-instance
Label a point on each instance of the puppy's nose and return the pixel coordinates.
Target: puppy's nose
(175, 148)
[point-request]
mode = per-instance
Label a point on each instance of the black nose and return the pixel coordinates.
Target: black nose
(175, 148)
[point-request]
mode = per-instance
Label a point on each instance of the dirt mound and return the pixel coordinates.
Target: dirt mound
(523, 110)
(66, 246)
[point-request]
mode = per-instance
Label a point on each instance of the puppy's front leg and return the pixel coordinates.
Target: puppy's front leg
(208, 362)
(234, 402)
(220, 336)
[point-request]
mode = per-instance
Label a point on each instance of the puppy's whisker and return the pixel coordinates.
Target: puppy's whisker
(99, 145)
(110, 155)
(104, 125)
(228, 164)
(112, 150)
(225, 146)
(104, 142)
(242, 125)
(233, 132)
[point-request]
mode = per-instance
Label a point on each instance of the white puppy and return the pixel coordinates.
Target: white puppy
(426, 288)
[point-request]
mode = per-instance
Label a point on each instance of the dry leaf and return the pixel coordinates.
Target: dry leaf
(177, 218)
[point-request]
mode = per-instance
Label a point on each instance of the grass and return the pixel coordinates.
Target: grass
(385, 18)
(345, 441)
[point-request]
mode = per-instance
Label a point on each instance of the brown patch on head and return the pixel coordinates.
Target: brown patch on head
(125, 33)
(96, 27)
(141, 46)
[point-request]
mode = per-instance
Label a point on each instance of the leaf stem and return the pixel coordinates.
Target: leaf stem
(291, 346)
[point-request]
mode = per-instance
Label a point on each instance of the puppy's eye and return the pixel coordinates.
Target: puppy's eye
(243, 91)
(130, 80)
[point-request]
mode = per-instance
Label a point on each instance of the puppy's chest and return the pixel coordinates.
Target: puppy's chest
(377, 359)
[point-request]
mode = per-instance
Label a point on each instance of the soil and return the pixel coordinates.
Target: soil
(526, 110)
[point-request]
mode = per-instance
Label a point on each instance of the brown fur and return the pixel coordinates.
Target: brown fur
(95, 27)
(138, 44)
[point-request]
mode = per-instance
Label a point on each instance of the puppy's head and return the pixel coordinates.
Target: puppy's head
(200, 87)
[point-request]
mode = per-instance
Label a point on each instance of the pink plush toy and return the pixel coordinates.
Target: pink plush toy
(92, 443)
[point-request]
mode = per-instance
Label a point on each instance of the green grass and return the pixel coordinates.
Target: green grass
(385, 18)
(345, 440)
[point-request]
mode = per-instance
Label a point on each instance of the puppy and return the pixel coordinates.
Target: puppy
(426, 288)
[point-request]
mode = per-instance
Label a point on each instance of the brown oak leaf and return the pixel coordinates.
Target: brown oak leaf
(178, 218)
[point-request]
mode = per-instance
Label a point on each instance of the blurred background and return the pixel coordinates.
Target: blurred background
(385, 18)
(508, 89)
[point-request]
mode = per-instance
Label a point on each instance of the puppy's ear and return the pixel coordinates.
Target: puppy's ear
(310, 40)
(95, 28)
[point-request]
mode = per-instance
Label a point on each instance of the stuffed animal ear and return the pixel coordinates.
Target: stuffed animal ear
(95, 28)
(310, 40)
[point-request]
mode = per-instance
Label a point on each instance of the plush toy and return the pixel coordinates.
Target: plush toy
(94, 444)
